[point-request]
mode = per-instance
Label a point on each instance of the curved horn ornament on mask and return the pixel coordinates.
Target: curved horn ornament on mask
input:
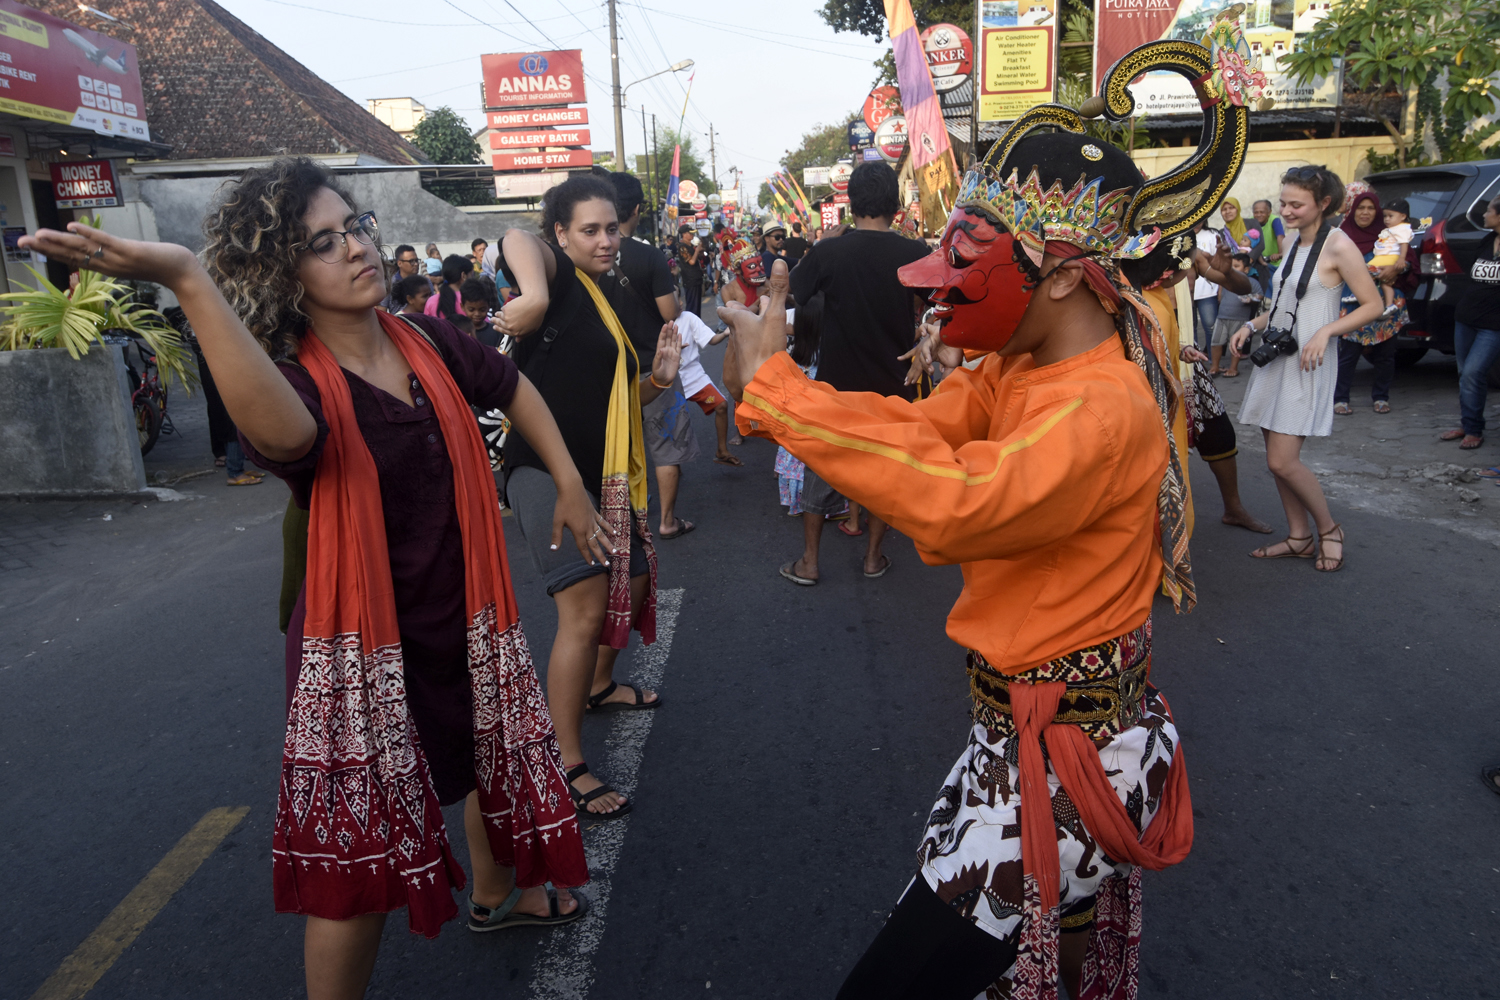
(1179, 199)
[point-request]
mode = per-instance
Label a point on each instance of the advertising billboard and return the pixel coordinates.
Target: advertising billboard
(57, 71)
(1272, 29)
(1016, 56)
(539, 118)
(552, 159)
(531, 79)
(950, 56)
(85, 184)
(533, 140)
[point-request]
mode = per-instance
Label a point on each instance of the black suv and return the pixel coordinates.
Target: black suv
(1447, 203)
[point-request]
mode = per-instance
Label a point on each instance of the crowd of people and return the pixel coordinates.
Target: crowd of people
(1022, 400)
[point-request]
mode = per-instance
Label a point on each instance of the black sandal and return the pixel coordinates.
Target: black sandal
(599, 706)
(485, 918)
(582, 799)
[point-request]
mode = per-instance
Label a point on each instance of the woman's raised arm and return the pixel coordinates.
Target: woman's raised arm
(259, 399)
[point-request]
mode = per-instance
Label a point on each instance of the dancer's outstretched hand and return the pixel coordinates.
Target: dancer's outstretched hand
(754, 338)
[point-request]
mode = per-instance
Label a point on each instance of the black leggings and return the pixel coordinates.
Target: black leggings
(926, 951)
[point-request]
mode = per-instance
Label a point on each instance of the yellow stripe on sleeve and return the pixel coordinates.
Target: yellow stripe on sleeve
(897, 455)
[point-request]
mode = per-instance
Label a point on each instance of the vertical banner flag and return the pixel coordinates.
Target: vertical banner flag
(1017, 55)
(672, 182)
(1272, 28)
(931, 154)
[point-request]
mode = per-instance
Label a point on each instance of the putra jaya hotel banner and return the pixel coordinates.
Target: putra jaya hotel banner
(1272, 28)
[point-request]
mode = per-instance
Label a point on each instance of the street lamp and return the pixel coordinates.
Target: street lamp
(676, 67)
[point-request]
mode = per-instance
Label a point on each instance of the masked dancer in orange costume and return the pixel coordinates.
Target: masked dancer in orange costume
(1047, 472)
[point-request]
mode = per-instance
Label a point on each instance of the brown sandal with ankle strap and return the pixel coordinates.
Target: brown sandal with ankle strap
(1330, 565)
(1294, 549)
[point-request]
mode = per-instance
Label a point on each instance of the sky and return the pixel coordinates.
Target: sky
(764, 73)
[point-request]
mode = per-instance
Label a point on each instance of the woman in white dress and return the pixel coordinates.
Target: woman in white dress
(1292, 397)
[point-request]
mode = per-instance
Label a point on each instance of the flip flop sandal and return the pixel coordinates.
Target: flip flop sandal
(599, 706)
(582, 799)
(855, 533)
(1294, 549)
(885, 564)
(728, 460)
(684, 526)
(1229, 374)
(1466, 446)
(220, 462)
(1451, 435)
(244, 479)
(1382, 406)
(1343, 409)
(1491, 778)
(1493, 472)
(483, 919)
(790, 573)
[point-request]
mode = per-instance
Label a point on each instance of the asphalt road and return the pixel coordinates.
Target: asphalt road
(1333, 726)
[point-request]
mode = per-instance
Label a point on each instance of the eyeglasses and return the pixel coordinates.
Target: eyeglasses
(333, 247)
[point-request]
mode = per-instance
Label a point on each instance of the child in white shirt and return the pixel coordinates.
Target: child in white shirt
(697, 386)
(1390, 251)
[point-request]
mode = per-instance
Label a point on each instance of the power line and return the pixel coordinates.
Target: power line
(362, 17)
(768, 36)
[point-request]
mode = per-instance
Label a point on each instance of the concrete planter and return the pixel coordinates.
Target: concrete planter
(66, 427)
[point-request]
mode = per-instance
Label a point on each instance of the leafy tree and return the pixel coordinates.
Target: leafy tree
(444, 136)
(690, 168)
(820, 147)
(1442, 49)
(867, 17)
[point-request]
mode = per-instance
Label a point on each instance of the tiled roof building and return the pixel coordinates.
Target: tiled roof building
(217, 88)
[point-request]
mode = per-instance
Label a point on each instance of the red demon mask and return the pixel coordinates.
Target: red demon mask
(753, 271)
(976, 288)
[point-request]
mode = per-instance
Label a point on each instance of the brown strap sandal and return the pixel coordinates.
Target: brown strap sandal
(1295, 549)
(1326, 563)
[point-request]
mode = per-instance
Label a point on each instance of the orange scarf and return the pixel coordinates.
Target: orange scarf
(1165, 842)
(358, 826)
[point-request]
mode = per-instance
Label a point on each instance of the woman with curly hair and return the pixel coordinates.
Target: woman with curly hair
(572, 346)
(409, 683)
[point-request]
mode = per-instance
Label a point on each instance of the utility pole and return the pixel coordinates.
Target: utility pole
(646, 154)
(713, 160)
(655, 169)
(614, 69)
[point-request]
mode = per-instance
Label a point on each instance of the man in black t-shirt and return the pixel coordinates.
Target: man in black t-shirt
(869, 321)
(796, 245)
(641, 291)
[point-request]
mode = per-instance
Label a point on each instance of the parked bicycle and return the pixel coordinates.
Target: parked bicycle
(148, 393)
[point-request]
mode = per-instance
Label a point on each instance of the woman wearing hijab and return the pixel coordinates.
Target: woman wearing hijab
(1377, 339)
(1234, 222)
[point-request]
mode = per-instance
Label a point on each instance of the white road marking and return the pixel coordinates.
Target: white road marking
(565, 968)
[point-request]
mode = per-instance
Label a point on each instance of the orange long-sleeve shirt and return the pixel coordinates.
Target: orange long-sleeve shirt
(1040, 482)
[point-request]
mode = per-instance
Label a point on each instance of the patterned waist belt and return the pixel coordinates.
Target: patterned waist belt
(1105, 694)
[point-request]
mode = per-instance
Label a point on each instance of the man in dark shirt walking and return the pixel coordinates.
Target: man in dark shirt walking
(640, 290)
(796, 245)
(869, 321)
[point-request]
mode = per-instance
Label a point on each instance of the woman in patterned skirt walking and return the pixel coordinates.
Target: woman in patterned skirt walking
(1291, 397)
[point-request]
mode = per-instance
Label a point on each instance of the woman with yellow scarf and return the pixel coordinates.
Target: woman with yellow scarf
(1234, 222)
(571, 346)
